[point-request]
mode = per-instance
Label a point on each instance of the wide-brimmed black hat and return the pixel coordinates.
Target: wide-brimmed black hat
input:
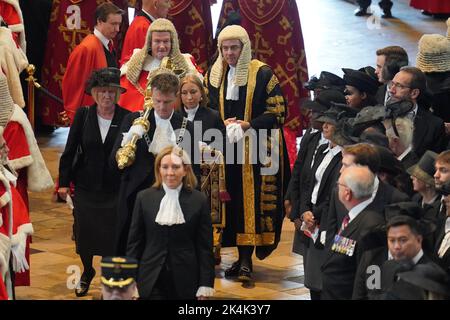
(360, 80)
(344, 135)
(326, 80)
(424, 169)
(374, 138)
(323, 100)
(337, 112)
(106, 77)
(368, 117)
(428, 276)
(118, 271)
(370, 71)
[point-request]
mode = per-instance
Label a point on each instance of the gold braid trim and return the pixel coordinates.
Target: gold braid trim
(264, 239)
(272, 83)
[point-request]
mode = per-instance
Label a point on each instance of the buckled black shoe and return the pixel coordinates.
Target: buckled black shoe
(233, 271)
(82, 288)
(361, 12)
(387, 14)
(245, 274)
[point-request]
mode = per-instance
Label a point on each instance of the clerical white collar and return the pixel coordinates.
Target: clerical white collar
(191, 112)
(102, 38)
(334, 151)
(160, 120)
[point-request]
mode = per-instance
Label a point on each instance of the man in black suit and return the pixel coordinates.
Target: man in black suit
(355, 188)
(389, 61)
(365, 155)
(404, 243)
(166, 128)
(442, 234)
(429, 131)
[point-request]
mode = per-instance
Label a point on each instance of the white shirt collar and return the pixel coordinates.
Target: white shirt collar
(376, 184)
(413, 112)
(334, 151)
(356, 210)
(160, 121)
(232, 89)
(191, 112)
(408, 150)
(323, 140)
(415, 259)
(102, 38)
(447, 225)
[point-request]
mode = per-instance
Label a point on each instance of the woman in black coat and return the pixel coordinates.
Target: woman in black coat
(93, 131)
(171, 233)
(194, 106)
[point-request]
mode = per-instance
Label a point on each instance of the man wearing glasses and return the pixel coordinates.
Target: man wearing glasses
(429, 131)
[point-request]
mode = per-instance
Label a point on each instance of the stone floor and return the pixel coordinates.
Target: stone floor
(334, 38)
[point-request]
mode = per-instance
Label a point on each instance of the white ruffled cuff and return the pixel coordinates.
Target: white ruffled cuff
(134, 129)
(234, 132)
(205, 292)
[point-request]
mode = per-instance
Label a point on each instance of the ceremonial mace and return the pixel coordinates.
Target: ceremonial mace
(126, 155)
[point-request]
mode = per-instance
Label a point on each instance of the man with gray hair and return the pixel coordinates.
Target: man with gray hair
(355, 188)
(400, 136)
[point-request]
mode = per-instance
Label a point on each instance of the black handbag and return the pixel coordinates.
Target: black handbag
(78, 157)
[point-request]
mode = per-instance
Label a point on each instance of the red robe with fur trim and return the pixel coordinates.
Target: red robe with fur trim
(12, 15)
(26, 159)
(21, 228)
(88, 56)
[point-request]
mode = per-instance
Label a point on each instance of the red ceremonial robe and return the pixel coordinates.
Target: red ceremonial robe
(12, 18)
(132, 99)
(432, 6)
(21, 227)
(20, 156)
(88, 56)
(135, 37)
(71, 21)
(275, 32)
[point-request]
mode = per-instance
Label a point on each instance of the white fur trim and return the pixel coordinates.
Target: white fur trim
(448, 28)
(5, 251)
(21, 31)
(39, 178)
(20, 163)
(4, 199)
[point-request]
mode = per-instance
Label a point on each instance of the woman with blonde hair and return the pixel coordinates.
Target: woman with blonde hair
(194, 105)
(171, 233)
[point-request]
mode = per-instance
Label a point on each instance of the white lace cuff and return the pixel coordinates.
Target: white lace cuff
(205, 292)
(135, 129)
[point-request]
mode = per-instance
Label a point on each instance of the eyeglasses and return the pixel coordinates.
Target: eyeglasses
(397, 85)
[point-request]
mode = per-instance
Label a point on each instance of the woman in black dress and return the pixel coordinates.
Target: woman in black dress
(90, 141)
(171, 233)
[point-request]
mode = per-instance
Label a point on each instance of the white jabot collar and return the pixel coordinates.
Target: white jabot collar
(191, 112)
(232, 88)
(170, 212)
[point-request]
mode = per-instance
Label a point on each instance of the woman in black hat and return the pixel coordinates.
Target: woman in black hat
(360, 89)
(85, 161)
